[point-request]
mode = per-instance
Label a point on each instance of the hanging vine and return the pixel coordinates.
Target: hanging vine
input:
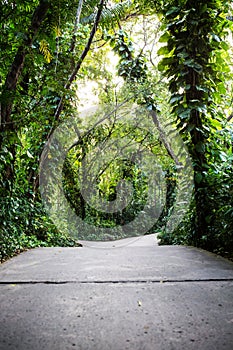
(195, 63)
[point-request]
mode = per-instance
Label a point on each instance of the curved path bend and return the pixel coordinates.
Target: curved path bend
(130, 294)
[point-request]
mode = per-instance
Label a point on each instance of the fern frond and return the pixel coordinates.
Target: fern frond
(44, 49)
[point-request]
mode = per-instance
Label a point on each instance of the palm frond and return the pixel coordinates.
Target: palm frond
(111, 14)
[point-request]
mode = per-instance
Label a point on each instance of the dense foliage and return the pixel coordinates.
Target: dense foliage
(174, 59)
(199, 78)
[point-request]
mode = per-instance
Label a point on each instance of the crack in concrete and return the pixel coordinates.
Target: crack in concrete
(118, 281)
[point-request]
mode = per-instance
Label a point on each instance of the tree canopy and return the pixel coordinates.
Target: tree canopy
(161, 68)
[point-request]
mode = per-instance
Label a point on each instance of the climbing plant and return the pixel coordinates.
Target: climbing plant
(196, 63)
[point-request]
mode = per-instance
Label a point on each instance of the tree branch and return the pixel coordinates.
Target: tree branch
(77, 20)
(163, 138)
(81, 59)
(230, 117)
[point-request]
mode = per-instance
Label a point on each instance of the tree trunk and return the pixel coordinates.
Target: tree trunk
(197, 152)
(18, 64)
(8, 130)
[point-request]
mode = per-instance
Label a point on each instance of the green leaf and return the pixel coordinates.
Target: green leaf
(190, 127)
(183, 54)
(173, 10)
(198, 177)
(185, 114)
(222, 89)
(200, 147)
(165, 62)
(176, 98)
(164, 38)
(29, 155)
(215, 37)
(224, 46)
(216, 124)
(163, 51)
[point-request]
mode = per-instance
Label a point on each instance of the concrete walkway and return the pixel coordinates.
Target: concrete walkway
(130, 294)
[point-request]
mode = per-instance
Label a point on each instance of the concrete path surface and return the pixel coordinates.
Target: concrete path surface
(131, 294)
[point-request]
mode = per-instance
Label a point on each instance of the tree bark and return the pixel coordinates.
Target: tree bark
(199, 158)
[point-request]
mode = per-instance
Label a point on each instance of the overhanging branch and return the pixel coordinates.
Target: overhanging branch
(80, 61)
